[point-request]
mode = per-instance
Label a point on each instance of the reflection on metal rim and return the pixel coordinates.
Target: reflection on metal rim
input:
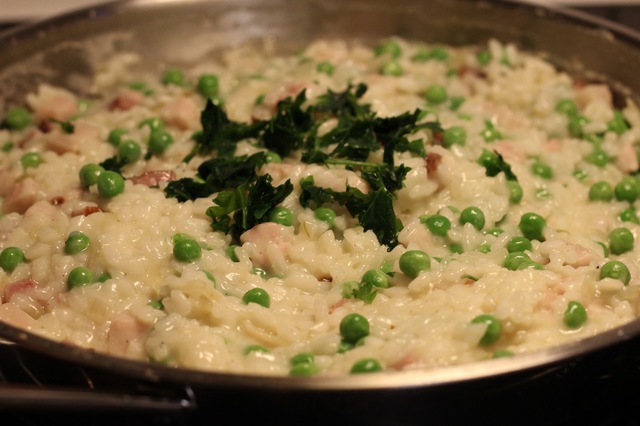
(573, 40)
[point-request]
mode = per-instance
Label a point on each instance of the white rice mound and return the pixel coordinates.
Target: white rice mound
(153, 307)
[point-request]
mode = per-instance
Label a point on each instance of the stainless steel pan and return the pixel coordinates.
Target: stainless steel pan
(66, 51)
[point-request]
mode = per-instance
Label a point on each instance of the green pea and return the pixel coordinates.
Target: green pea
(567, 107)
(541, 169)
(474, 216)
(436, 94)
(325, 67)
(262, 273)
(627, 189)
(156, 304)
(159, 141)
(187, 250)
(456, 248)
(354, 327)
(104, 277)
(490, 133)
(76, 242)
(89, 174)
(303, 357)
(532, 226)
(154, 123)
(129, 151)
(7, 146)
(598, 158)
(412, 262)
(10, 258)
(580, 174)
(255, 348)
(576, 124)
(483, 57)
(392, 68)
(17, 118)
(456, 103)
(618, 123)
(515, 192)
(455, 135)
(519, 244)
(281, 215)
(115, 136)
(495, 231)
(141, 86)
(575, 315)
(376, 278)
(349, 288)
(492, 333)
(620, 240)
(326, 215)
(616, 270)
(173, 76)
(257, 295)
(529, 264)
(366, 365)
(273, 157)
(31, 159)
(208, 85)
(388, 47)
(513, 260)
(304, 369)
(437, 224)
(601, 191)
(231, 253)
(110, 184)
(79, 277)
(629, 215)
(484, 248)
(502, 353)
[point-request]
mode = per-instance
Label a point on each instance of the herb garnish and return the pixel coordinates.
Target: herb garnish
(249, 204)
(244, 197)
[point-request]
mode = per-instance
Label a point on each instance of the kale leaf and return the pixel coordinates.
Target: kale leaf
(247, 205)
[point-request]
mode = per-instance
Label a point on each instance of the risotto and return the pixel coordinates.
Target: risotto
(348, 209)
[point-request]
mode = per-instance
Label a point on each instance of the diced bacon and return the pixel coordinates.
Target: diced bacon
(154, 178)
(125, 100)
(282, 171)
(336, 305)
(268, 244)
(124, 331)
(433, 161)
(56, 201)
(26, 138)
(7, 181)
(86, 211)
(13, 315)
(476, 72)
(53, 103)
(510, 151)
(182, 113)
(553, 145)
(21, 197)
(627, 158)
(339, 179)
(271, 100)
(61, 142)
(593, 93)
(22, 286)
